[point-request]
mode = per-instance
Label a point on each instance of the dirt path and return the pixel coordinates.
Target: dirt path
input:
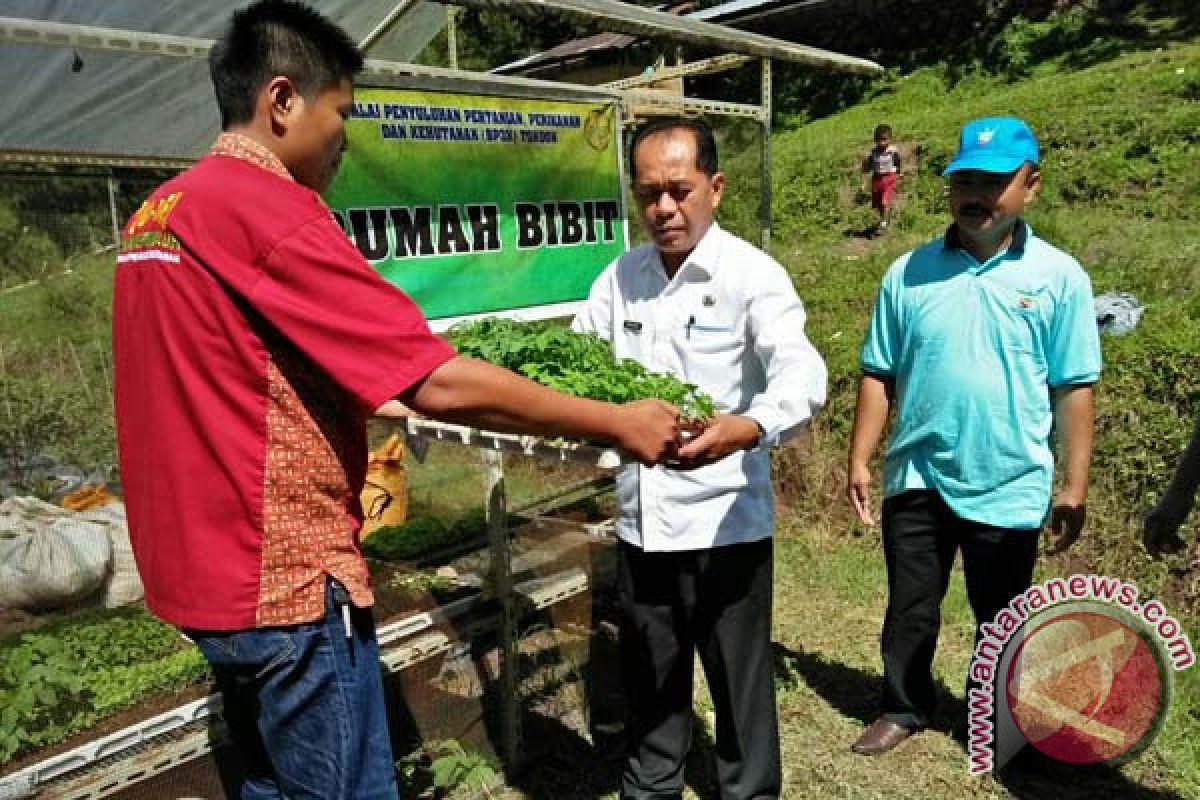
(860, 242)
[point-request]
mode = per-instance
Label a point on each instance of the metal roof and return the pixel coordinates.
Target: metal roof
(131, 83)
(730, 14)
(738, 10)
(568, 51)
(638, 21)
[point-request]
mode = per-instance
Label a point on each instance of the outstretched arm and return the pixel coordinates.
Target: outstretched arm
(473, 392)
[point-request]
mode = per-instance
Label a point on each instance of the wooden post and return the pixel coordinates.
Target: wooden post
(452, 35)
(501, 569)
(764, 208)
(112, 209)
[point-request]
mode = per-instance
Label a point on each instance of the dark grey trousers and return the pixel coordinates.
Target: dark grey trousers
(716, 603)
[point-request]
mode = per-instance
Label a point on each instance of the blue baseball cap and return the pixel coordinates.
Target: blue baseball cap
(994, 144)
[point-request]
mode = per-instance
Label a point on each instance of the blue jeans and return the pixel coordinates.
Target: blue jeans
(305, 707)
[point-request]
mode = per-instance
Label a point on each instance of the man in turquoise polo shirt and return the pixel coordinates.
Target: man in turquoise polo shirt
(984, 340)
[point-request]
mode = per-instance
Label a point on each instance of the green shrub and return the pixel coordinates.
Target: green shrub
(398, 542)
(25, 253)
(56, 367)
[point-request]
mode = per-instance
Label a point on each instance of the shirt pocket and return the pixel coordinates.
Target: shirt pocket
(1014, 318)
(1025, 336)
(709, 334)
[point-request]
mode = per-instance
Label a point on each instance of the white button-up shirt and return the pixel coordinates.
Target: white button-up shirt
(730, 323)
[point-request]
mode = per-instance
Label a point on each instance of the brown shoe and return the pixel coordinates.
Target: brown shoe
(880, 737)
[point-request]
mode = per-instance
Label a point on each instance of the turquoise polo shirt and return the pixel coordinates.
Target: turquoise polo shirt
(973, 350)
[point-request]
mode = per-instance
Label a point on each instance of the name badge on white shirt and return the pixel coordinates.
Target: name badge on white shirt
(633, 326)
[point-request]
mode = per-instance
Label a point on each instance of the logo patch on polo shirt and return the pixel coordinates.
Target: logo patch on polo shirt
(1026, 300)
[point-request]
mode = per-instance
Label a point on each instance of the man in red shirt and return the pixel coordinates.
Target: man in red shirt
(251, 343)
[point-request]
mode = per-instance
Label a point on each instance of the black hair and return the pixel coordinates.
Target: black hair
(278, 37)
(706, 145)
(882, 130)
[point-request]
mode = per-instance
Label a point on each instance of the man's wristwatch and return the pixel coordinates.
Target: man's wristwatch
(762, 433)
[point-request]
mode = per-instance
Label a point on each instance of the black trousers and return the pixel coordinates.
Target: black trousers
(716, 603)
(920, 537)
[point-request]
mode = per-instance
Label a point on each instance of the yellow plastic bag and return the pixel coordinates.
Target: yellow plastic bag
(86, 498)
(385, 495)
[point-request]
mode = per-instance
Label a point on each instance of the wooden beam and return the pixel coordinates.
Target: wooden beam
(613, 15)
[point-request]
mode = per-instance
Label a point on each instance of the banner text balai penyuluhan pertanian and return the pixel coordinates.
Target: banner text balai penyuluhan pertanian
(476, 204)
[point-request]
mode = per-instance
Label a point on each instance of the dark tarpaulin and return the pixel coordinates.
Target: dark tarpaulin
(135, 105)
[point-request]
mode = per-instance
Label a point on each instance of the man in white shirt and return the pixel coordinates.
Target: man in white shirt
(695, 556)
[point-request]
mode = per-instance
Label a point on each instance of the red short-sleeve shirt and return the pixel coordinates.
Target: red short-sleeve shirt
(251, 341)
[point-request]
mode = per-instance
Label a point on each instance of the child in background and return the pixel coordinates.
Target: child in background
(883, 165)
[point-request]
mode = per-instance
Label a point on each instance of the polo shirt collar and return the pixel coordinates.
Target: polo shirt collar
(704, 256)
(953, 239)
(242, 147)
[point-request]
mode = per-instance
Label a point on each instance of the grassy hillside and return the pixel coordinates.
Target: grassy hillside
(55, 368)
(1119, 121)
(1120, 190)
(1118, 113)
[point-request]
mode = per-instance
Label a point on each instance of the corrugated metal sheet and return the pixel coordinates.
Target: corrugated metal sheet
(569, 50)
(729, 14)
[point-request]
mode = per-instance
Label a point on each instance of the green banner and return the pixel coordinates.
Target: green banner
(475, 203)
